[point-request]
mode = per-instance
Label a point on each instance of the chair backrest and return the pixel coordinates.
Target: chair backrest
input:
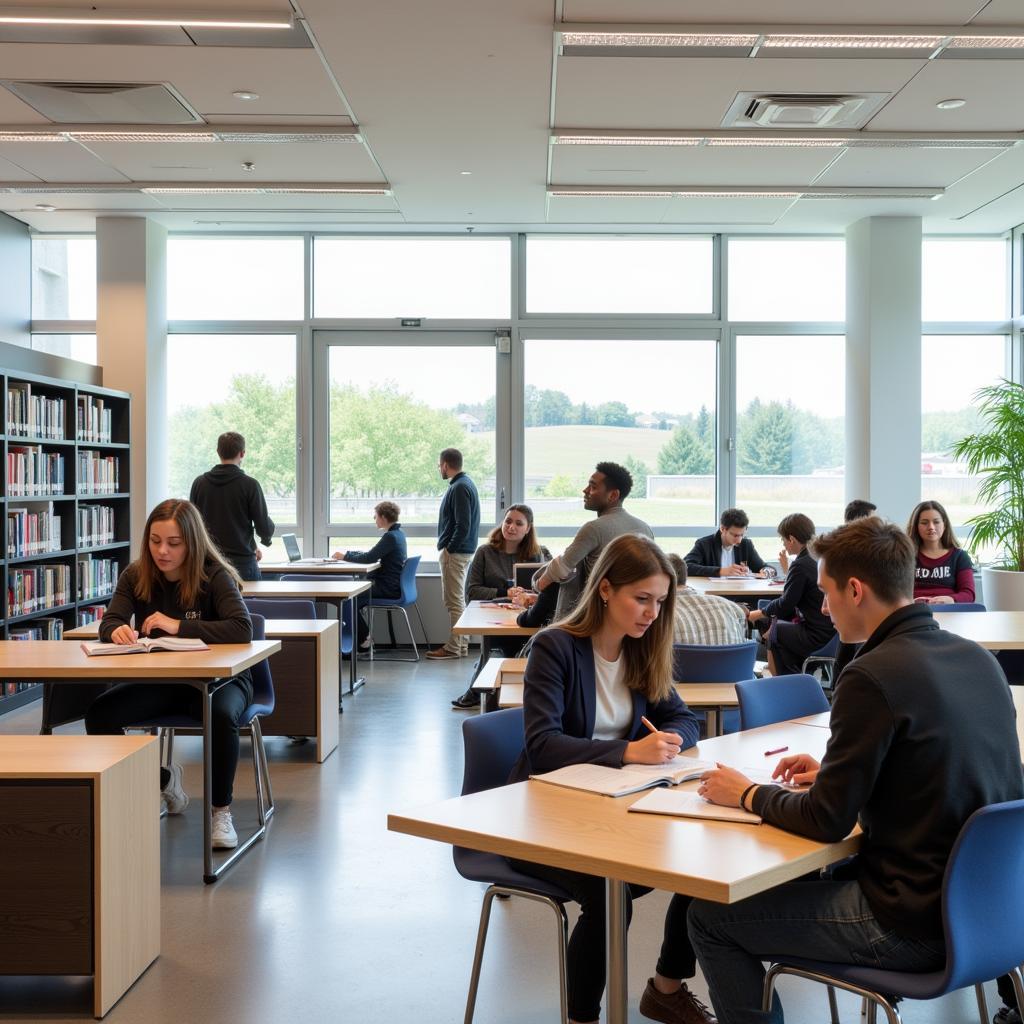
(707, 663)
(967, 606)
(408, 580)
(346, 613)
(829, 650)
(262, 682)
(492, 744)
(280, 608)
(778, 699)
(982, 893)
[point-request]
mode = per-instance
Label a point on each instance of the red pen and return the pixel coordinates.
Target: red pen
(781, 750)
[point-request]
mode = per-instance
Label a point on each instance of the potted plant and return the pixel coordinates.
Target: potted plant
(996, 455)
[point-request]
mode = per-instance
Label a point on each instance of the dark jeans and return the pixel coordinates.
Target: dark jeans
(247, 568)
(819, 920)
(587, 952)
(363, 605)
(1006, 991)
(140, 703)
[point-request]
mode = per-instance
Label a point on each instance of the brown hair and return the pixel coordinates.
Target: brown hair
(453, 457)
(948, 538)
(648, 660)
(682, 573)
(798, 526)
(858, 508)
(877, 553)
(387, 510)
(230, 445)
(202, 559)
(529, 546)
(734, 518)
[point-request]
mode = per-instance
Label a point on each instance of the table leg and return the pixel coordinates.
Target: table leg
(355, 680)
(208, 872)
(712, 718)
(617, 984)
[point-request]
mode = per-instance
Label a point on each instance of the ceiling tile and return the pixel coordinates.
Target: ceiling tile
(591, 210)
(683, 210)
(59, 161)
(905, 167)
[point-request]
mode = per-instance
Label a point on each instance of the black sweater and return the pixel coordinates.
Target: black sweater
(391, 552)
(705, 557)
(232, 505)
(922, 735)
(802, 597)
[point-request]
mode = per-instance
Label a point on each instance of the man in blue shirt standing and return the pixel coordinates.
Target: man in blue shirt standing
(458, 528)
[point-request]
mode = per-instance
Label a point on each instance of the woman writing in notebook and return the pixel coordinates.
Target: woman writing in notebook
(590, 679)
(180, 585)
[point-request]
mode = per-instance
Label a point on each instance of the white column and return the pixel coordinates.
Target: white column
(131, 342)
(883, 363)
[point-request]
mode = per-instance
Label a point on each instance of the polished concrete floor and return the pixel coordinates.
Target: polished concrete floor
(333, 918)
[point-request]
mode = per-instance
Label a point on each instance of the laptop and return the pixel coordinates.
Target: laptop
(294, 552)
(522, 573)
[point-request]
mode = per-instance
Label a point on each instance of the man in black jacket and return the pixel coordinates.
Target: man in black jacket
(728, 552)
(232, 506)
(922, 735)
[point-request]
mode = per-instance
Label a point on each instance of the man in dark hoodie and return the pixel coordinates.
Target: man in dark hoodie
(233, 506)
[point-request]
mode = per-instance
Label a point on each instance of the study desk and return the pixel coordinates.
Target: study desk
(317, 566)
(721, 861)
(206, 670)
(80, 847)
(490, 623)
(996, 631)
(822, 720)
(305, 687)
(736, 588)
(330, 591)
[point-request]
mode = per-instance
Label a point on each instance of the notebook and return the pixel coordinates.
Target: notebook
(145, 644)
(685, 803)
(631, 778)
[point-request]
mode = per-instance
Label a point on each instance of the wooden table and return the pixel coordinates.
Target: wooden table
(721, 861)
(205, 670)
(305, 687)
(751, 588)
(80, 847)
(996, 631)
(489, 624)
(335, 592)
(316, 565)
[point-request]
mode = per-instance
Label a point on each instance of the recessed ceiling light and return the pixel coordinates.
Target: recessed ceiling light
(465, 173)
(951, 104)
(244, 94)
(45, 208)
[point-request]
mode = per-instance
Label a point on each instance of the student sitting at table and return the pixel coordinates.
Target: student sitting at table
(728, 552)
(705, 618)
(390, 551)
(180, 585)
(589, 680)
(789, 642)
(945, 573)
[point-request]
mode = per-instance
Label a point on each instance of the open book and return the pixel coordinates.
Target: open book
(631, 778)
(146, 644)
(687, 804)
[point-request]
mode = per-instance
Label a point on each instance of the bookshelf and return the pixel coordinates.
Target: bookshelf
(66, 529)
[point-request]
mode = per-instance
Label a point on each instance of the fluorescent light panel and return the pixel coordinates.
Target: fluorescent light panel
(888, 140)
(752, 192)
(282, 189)
(247, 135)
(146, 18)
(851, 42)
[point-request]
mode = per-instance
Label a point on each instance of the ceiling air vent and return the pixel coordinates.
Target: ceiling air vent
(802, 111)
(103, 102)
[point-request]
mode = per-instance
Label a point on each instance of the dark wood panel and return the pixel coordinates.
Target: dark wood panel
(293, 670)
(46, 850)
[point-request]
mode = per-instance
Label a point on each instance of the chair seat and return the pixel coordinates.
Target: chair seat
(387, 602)
(895, 983)
(492, 868)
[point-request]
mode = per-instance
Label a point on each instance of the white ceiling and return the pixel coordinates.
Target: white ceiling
(451, 86)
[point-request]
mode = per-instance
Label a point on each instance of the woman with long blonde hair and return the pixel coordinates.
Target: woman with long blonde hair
(591, 680)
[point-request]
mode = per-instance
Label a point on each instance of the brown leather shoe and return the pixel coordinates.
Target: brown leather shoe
(440, 653)
(682, 1007)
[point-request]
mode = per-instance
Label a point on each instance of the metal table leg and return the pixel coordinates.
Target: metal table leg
(617, 985)
(354, 680)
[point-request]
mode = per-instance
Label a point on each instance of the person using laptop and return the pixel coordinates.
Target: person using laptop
(391, 551)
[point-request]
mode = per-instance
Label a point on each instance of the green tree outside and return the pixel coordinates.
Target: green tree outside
(685, 455)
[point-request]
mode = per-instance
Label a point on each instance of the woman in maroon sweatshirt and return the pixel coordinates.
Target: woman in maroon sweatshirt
(945, 574)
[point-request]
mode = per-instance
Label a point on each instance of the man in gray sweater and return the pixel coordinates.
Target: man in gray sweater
(608, 487)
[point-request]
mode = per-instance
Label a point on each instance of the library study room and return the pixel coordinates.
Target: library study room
(513, 512)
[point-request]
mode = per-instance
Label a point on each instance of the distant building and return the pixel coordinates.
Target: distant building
(649, 422)
(469, 422)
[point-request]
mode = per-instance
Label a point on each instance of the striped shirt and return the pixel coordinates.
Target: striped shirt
(706, 619)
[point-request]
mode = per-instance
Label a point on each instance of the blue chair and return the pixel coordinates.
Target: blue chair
(400, 604)
(825, 658)
(778, 699)
(714, 663)
(982, 888)
(492, 745)
(969, 606)
(347, 633)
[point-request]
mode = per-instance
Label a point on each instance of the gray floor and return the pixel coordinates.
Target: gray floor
(334, 918)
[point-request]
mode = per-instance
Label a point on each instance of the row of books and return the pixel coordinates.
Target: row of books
(10, 689)
(31, 532)
(96, 577)
(97, 474)
(31, 415)
(31, 471)
(92, 419)
(37, 587)
(89, 613)
(95, 525)
(40, 629)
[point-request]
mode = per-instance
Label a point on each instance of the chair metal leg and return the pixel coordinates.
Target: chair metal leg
(268, 789)
(478, 953)
(260, 814)
(388, 609)
(870, 1000)
(423, 629)
(833, 1007)
(170, 746)
(979, 992)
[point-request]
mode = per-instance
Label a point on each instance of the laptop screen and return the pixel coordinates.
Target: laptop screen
(523, 573)
(291, 546)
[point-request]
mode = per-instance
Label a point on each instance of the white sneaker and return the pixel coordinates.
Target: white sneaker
(224, 836)
(174, 797)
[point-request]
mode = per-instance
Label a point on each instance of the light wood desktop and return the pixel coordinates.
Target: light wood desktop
(67, 662)
(822, 720)
(996, 631)
(736, 587)
(80, 886)
(336, 567)
(720, 861)
(331, 591)
(305, 681)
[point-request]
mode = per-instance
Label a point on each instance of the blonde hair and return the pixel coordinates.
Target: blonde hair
(648, 659)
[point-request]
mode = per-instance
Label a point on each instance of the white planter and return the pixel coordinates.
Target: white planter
(1002, 590)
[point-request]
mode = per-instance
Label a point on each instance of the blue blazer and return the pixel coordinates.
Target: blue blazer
(559, 703)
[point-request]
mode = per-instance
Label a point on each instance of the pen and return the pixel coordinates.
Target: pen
(648, 723)
(780, 750)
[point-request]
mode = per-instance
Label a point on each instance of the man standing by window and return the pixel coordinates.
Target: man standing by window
(233, 507)
(458, 525)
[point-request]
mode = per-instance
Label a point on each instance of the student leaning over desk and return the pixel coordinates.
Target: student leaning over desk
(589, 680)
(179, 585)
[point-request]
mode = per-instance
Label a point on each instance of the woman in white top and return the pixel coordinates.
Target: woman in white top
(590, 679)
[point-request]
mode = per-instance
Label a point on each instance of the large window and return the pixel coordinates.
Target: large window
(787, 279)
(393, 408)
(790, 436)
(74, 346)
(235, 382)
(647, 404)
(64, 278)
(965, 279)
